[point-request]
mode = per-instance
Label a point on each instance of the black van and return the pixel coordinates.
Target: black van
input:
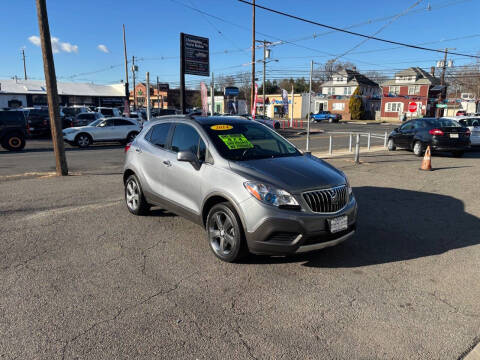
(12, 130)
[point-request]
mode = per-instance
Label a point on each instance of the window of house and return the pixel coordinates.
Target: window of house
(338, 106)
(394, 107)
(394, 90)
(347, 91)
(330, 91)
(414, 90)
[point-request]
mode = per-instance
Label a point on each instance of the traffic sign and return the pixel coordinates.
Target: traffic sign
(412, 107)
(441, 105)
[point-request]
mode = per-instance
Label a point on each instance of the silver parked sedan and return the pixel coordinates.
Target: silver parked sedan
(250, 188)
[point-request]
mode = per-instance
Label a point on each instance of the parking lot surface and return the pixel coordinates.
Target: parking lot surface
(80, 277)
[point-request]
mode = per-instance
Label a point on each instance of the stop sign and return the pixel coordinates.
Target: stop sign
(412, 107)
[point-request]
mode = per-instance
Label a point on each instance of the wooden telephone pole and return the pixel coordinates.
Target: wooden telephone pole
(52, 93)
(252, 93)
(24, 64)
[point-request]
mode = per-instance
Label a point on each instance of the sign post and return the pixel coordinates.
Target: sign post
(194, 60)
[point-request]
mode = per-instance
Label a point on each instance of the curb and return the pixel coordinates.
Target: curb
(474, 354)
(326, 155)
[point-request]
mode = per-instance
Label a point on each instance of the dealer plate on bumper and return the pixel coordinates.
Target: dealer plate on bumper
(338, 224)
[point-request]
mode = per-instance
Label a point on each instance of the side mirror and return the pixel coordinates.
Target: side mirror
(190, 157)
(396, 129)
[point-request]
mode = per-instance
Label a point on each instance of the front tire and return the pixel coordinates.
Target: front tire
(391, 145)
(418, 148)
(134, 198)
(13, 142)
(225, 233)
(83, 140)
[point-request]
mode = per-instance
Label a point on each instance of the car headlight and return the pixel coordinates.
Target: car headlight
(350, 190)
(270, 195)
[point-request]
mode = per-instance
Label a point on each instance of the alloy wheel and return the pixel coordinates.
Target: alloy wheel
(132, 194)
(222, 233)
(83, 140)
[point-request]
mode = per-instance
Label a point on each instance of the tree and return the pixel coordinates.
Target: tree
(376, 76)
(355, 105)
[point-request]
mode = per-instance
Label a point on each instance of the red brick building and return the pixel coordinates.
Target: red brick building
(158, 97)
(410, 85)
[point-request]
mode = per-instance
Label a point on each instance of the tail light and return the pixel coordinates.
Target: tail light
(127, 147)
(436, 132)
(28, 128)
(467, 133)
(45, 122)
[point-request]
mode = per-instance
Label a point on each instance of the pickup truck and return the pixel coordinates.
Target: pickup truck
(325, 115)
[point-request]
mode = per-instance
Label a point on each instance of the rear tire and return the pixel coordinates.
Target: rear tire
(134, 198)
(225, 233)
(83, 140)
(13, 142)
(391, 145)
(418, 148)
(458, 154)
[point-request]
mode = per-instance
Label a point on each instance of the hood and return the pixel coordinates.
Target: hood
(294, 174)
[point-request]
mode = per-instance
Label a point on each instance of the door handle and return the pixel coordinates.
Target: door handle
(167, 163)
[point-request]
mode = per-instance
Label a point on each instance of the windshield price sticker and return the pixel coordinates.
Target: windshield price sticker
(236, 141)
(221, 127)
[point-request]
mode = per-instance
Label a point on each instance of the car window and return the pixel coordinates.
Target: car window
(121, 122)
(248, 141)
(107, 112)
(442, 122)
(407, 126)
(157, 135)
(186, 138)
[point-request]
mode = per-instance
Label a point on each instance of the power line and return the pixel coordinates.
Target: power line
(353, 32)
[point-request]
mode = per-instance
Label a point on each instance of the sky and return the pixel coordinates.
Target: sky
(88, 43)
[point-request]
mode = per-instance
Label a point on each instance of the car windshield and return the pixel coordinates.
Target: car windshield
(95, 123)
(243, 141)
(441, 122)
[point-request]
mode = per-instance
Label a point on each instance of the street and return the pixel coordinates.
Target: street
(38, 154)
(83, 278)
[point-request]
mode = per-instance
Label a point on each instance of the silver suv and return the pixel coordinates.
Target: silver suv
(250, 188)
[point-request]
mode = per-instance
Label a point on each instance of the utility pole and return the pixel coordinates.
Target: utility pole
(133, 79)
(212, 93)
(443, 93)
(148, 96)
(52, 93)
(158, 95)
(24, 64)
(309, 107)
(127, 91)
(293, 102)
(252, 93)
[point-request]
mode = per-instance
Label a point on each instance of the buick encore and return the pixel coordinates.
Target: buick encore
(250, 188)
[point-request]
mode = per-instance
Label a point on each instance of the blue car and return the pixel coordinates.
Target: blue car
(325, 115)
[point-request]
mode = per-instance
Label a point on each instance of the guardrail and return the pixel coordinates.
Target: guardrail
(357, 135)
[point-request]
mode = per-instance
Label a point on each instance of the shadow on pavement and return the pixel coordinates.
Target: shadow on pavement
(67, 149)
(395, 225)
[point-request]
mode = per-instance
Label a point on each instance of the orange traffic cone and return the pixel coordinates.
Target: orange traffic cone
(427, 160)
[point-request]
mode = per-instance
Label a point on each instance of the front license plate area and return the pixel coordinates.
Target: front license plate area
(338, 224)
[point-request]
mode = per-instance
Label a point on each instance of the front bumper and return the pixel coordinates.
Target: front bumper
(274, 231)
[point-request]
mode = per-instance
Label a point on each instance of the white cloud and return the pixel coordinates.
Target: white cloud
(103, 48)
(35, 40)
(57, 45)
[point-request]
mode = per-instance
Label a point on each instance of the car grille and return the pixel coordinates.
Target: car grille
(327, 200)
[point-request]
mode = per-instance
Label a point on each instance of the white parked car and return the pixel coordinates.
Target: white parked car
(473, 123)
(103, 130)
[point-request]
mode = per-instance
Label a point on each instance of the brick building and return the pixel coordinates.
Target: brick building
(410, 85)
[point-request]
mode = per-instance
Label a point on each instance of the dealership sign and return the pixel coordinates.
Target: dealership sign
(196, 55)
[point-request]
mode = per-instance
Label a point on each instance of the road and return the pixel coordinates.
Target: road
(38, 154)
(80, 277)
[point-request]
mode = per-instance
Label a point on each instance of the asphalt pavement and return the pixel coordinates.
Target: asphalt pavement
(82, 278)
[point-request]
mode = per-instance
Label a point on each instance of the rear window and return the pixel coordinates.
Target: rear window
(441, 122)
(107, 111)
